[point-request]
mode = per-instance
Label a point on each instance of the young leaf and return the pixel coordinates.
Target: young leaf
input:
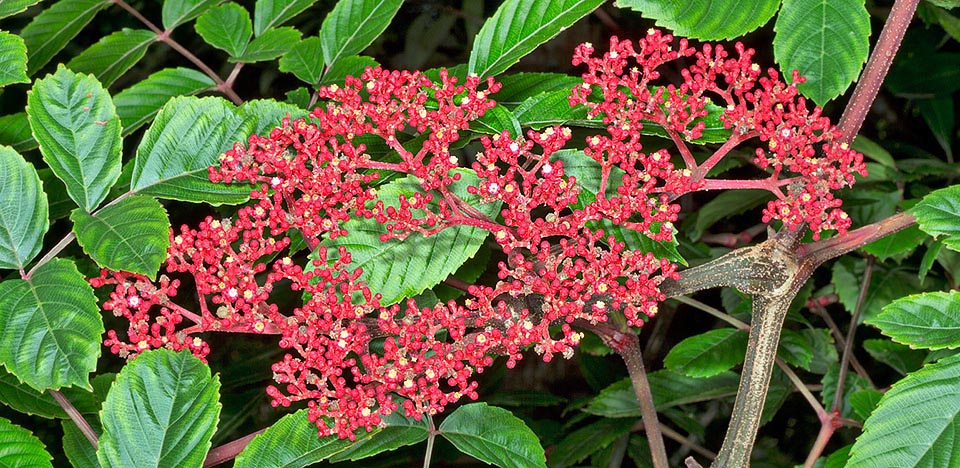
(177, 12)
(161, 411)
(929, 320)
(270, 45)
(304, 60)
(12, 7)
(915, 423)
(827, 40)
(270, 13)
(52, 29)
(706, 19)
(19, 447)
(52, 327)
(226, 27)
(399, 431)
(493, 435)
(113, 55)
(187, 137)
(518, 27)
(76, 124)
(708, 354)
(137, 104)
(130, 235)
(589, 439)
(292, 442)
(937, 215)
(23, 211)
(13, 59)
(353, 25)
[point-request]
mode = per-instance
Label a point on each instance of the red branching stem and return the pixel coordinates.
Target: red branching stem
(827, 428)
(735, 139)
(818, 252)
(768, 184)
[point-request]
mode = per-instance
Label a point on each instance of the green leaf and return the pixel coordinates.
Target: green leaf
(23, 211)
(113, 55)
(177, 12)
(26, 400)
(161, 411)
(20, 448)
(51, 330)
(130, 235)
(13, 59)
(706, 19)
(708, 354)
(399, 431)
(76, 124)
(187, 137)
(271, 13)
(898, 245)
(347, 66)
(404, 268)
(267, 114)
(226, 27)
(292, 442)
(495, 120)
(886, 286)
(853, 383)
(874, 151)
(937, 215)
(520, 26)
(58, 200)
(493, 435)
(795, 349)
(550, 108)
(353, 25)
(522, 86)
(52, 29)
(930, 256)
(827, 40)
(864, 401)
(916, 423)
(12, 7)
(76, 446)
(270, 45)
(940, 117)
(15, 131)
(669, 389)
(304, 60)
(929, 320)
(138, 104)
(727, 204)
(920, 68)
(589, 439)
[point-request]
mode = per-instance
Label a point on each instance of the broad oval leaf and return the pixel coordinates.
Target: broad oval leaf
(161, 412)
(51, 327)
(270, 45)
(267, 114)
(271, 13)
(706, 19)
(669, 389)
(52, 29)
(398, 431)
(131, 235)
(292, 442)
(937, 215)
(76, 124)
(493, 435)
(189, 135)
(930, 320)
(549, 108)
(353, 25)
(23, 211)
(353, 65)
(708, 354)
(137, 104)
(826, 40)
(304, 60)
(916, 422)
(519, 87)
(13, 59)
(20, 448)
(12, 7)
(495, 120)
(177, 12)
(226, 27)
(113, 55)
(518, 27)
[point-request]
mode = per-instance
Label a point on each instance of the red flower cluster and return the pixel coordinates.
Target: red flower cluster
(355, 360)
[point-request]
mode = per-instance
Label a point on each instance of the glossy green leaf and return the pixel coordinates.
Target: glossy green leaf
(874, 151)
(23, 211)
(898, 245)
(795, 349)
(304, 60)
(161, 411)
(708, 354)
(404, 268)
(916, 423)
(52, 29)
(138, 104)
(900, 357)
(76, 124)
(187, 137)
(130, 235)
(292, 442)
(493, 435)
(929, 320)
(921, 69)
(518, 27)
(495, 120)
(15, 132)
(26, 400)
(271, 13)
(267, 114)
(550, 108)
(226, 27)
(270, 45)
(589, 439)
(887, 284)
(940, 115)
(826, 40)
(20, 448)
(522, 86)
(13, 59)
(12, 7)
(51, 330)
(937, 215)
(706, 19)
(669, 389)
(114, 54)
(77, 447)
(347, 66)
(398, 431)
(177, 12)
(353, 25)
(725, 205)
(864, 401)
